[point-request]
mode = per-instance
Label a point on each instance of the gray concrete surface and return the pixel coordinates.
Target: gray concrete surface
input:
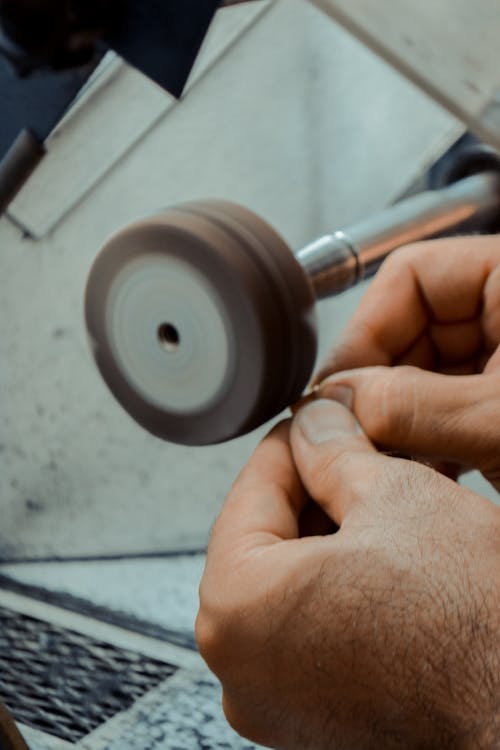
(183, 713)
(162, 591)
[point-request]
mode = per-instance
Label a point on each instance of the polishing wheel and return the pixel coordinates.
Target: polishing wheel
(202, 319)
(202, 322)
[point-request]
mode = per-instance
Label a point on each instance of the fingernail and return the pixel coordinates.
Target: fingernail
(341, 393)
(323, 420)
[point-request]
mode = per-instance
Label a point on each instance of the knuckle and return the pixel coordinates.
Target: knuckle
(394, 262)
(406, 487)
(217, 633)
(330, 466)
(235, 714)
(208, 636)
(344, 469)
(218, 643)
(252, 715)
(487, 440)
(406, 253)
(323, 471)
(391, 404)
(240, 718)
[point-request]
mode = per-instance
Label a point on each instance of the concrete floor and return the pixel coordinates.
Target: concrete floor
(184, 712)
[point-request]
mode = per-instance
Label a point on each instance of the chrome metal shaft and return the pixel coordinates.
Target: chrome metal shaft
(337, 261)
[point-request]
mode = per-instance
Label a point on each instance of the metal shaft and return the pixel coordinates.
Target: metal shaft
(337, 261)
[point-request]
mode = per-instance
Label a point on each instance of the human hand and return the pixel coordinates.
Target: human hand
(383, 635)
(426, 341)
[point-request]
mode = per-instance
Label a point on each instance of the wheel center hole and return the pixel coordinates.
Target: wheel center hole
(169, 337)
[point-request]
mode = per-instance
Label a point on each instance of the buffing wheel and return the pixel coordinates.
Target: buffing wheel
(202, 322)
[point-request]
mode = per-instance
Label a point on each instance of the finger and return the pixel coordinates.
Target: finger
(493, 363)
(265, 502)
(445, 345)
(390, 319)
(491, 309)
(441, 417)
(446, 468)
(422, 353)
(456, 342)
(440, 282)
(255, 552)
(337, 463)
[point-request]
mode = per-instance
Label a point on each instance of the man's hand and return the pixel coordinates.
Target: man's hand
(383, 635)
(427, 339)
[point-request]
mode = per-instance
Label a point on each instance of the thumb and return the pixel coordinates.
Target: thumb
(337, 463)
(441, 417)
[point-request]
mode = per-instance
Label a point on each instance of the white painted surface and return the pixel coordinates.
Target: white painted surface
(298, 122)
(449, 48)
(116, 111)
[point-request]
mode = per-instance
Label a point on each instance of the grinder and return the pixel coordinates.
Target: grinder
(202, 319)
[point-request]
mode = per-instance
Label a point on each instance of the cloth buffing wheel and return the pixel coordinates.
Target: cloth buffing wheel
(202, 322)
